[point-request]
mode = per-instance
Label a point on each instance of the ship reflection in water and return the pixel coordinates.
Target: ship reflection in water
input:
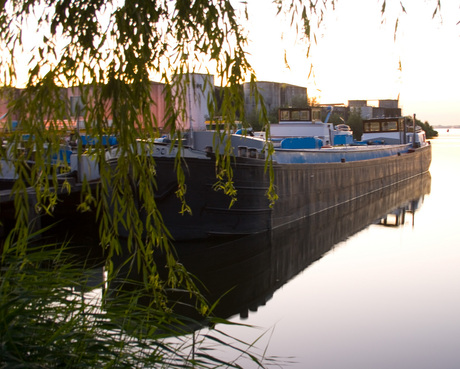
(244, 273)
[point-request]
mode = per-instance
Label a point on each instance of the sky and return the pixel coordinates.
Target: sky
(358, 55)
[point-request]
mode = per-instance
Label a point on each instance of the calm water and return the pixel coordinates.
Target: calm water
(339, 293)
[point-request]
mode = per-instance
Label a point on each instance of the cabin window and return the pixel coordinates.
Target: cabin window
(375, 126)
(295, 115)
(372, 126)
(284, 115)
(390, 126)
(304, 115)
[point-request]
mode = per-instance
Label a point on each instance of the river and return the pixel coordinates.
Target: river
(348, 289)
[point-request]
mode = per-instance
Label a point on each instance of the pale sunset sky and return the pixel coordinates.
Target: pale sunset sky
(357, 57)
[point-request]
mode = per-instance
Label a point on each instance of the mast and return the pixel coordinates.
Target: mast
(190, 114)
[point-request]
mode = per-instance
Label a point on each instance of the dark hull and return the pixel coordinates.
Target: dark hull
(303, 190)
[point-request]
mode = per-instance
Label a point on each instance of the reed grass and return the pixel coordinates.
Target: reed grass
(54, 313)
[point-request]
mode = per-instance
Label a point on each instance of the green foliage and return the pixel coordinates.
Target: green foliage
(355, 121)
(428, 128)
(255, 119)
(336, 118)
(55, 312)
(109, 53)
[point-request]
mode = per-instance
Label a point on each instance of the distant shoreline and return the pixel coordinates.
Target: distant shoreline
(446, 127)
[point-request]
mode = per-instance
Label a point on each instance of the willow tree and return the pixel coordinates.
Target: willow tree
(109, 51)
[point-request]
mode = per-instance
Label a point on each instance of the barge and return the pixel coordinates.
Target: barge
(316, 166)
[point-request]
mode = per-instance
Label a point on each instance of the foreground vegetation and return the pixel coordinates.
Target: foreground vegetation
(56, 312)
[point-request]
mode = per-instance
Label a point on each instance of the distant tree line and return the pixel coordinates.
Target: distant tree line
(428, 128)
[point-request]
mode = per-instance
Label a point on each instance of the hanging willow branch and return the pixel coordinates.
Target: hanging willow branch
(108, 52)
